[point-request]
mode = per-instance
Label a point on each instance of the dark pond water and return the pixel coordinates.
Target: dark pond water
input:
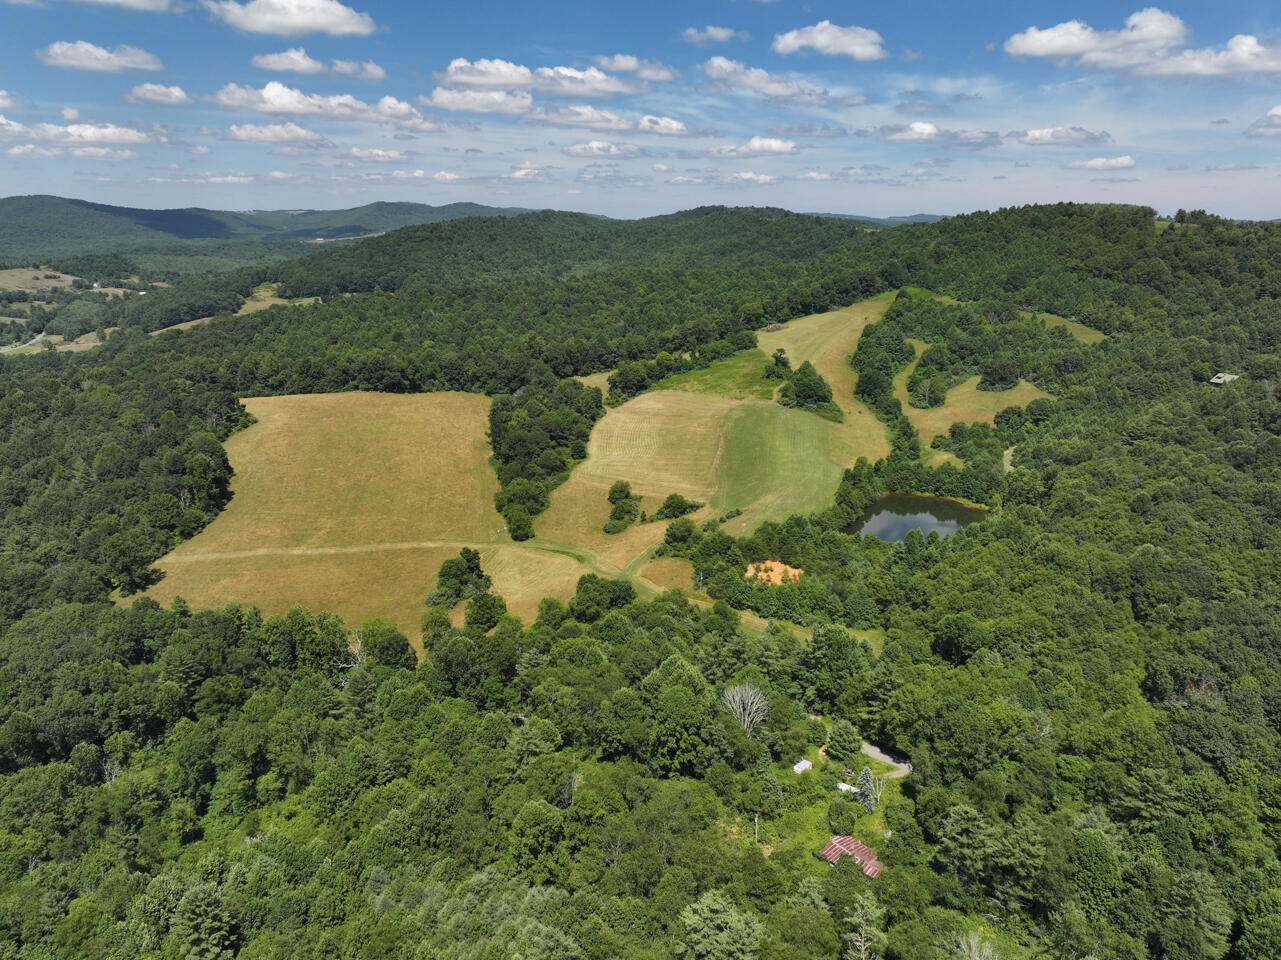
(891, 517)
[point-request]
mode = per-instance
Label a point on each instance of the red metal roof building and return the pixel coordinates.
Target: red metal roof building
(863, 855)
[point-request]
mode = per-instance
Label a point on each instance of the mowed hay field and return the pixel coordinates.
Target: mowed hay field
(350, 502)
(717, 436)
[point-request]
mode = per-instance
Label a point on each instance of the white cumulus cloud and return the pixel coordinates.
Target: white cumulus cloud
(1104, 163)
(731, 75)
(297, 60)
(1152, 42)
(82, 55)
(1061, 137)
(581, 115)
(360, 69)
(6, 101)
(826, 37)
(749, 176)
(271, 133)
(756, 147)
(88, 133)
(277, 98)
(480, 101)
(108, 154)
(486, 75)
(293, 60)
(663, 126)
(158, 93)
(377, 155)
(571, 82)
(32, 150)
(645, 69)
(923, 131)
(291, 18)
(601, 148)
(1269, 125)
(710, 34)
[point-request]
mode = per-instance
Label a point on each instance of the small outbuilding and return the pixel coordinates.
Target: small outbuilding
(1219, 379)
(863, 855)
(801, 765)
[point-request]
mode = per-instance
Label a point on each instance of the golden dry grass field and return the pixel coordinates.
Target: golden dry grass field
(350, 502)
(26, 278)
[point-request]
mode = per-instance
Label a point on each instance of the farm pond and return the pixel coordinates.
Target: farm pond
(891, 517)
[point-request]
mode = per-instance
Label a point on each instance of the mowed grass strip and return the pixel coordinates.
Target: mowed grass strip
(346, 502)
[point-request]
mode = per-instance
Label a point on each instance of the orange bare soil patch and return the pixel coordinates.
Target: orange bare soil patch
(773, 571)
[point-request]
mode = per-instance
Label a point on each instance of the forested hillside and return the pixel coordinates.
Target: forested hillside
(41, 228)
(1087, 683)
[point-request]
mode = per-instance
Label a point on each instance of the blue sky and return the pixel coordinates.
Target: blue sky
(631, 109)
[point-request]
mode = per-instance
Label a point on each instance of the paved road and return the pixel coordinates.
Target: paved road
(900, 769)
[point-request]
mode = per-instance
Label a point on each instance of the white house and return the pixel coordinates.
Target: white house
(802, 765)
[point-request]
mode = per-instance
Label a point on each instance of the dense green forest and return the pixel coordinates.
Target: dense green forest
(1087, 683)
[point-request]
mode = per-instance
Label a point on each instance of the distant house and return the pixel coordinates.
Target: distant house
(1219, 379)
(801, 765)
(863, 855)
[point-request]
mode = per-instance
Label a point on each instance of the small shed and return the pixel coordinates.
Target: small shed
(1219, 379)
(863, 855)
(801, 765)
(846, 787)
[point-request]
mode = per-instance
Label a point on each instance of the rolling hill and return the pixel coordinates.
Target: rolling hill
(43, 227)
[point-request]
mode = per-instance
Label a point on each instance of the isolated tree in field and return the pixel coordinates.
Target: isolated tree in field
(620, 490)
(748, 705)
(865, 939)
(844, 742)
(867, 793)
(717, 930)
(780, 368)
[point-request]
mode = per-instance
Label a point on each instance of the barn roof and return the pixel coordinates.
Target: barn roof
(863, 855)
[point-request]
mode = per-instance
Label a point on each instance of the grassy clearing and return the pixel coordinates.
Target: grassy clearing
(1079, 330)
(264, 296)
(350, 502)
(185, 325)
(25, 278)
(966, 403)
(598, 380)
(737, 377)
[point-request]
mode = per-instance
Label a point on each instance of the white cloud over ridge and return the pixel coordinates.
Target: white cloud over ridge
(826, 37)
(291, 18)
(82, 55)
(1152, 42)
(277, 98)
(1104, 163)
(172, 96)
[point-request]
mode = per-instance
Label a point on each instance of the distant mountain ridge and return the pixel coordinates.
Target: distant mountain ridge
(46, 226)
(883, 223)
